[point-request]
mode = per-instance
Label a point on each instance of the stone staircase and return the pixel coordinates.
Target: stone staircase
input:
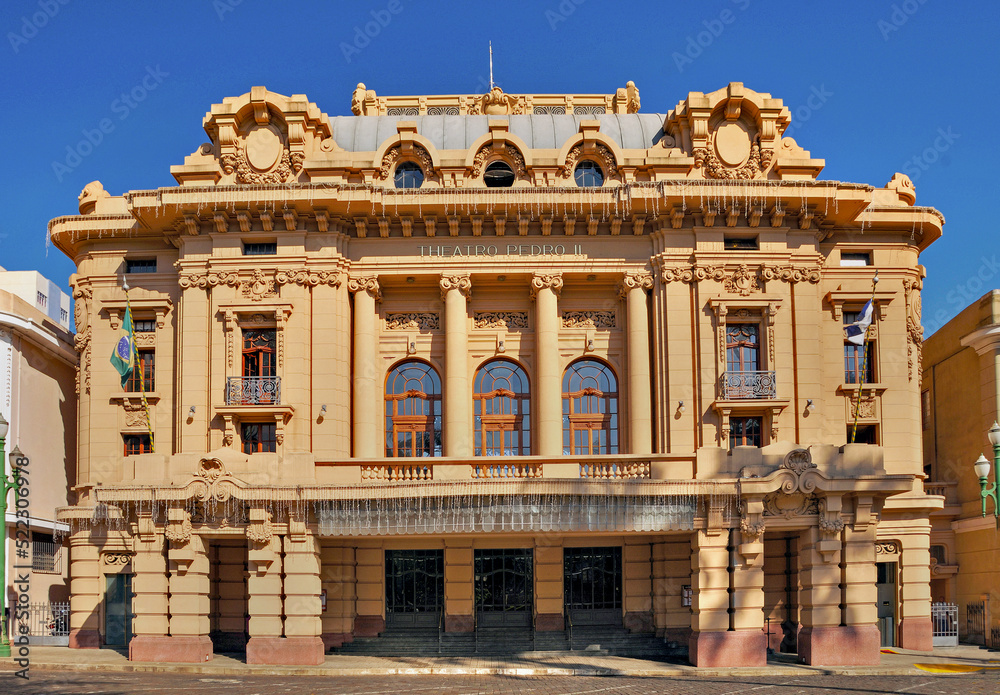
(507, 641)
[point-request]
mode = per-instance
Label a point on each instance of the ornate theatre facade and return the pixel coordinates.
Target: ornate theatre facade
(540, 364)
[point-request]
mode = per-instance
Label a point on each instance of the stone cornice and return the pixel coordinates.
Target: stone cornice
(983, 340)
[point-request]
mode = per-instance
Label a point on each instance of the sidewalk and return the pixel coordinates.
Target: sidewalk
(530, 664)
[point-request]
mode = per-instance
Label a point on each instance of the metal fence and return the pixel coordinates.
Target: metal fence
(44, 623)
(945, 619)
(975, 622)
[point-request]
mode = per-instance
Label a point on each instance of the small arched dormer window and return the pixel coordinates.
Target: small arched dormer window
(409, 175)
(588, 174)
(498, 174)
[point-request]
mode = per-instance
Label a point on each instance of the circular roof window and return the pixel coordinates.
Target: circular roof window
(409, 175)
(588, 174)
(498, 175)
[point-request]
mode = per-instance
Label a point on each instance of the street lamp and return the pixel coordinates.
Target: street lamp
(6, 484)
(982, 467)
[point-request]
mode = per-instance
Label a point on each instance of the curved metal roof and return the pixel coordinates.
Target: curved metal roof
(542, 131)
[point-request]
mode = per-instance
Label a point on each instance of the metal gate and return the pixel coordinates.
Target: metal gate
(592, 580)
(414, 587)
(945, 619)
(975, 622)
(503, 585)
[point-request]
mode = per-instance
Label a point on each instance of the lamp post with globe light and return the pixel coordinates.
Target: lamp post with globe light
(982, 467)
(6, 485)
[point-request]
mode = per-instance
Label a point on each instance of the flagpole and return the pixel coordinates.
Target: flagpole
(142, 372)
(864, 365)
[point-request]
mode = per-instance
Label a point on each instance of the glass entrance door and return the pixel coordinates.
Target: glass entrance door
(885, 586)
(503, 587)
(414, 587)
(593, 585)
(118, 610)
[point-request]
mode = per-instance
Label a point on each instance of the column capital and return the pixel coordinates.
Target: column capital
(541, 281)
(635, 281)
(367, 283)
(462, 283)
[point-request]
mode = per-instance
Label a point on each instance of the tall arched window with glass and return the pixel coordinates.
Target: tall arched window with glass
(502, 410)
(590, 409)
(413, 410)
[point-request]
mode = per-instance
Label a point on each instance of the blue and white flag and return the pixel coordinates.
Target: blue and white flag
(857, 331)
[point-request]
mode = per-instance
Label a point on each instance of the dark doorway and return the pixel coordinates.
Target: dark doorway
(593, 585)
(414, 588)
(118, 612)
(228, 596)
(885, 585)
(503, 587)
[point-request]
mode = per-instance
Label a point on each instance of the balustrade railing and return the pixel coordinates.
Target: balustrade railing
(748, 385)
(253, 390)
(397, 472)
(614, 470)
(507, 469)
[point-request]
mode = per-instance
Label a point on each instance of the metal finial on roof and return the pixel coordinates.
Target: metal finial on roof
(491, 66)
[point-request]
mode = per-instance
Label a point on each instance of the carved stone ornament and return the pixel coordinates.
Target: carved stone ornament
(791, 274)
(693, 273)
(502, 150)
(914, 331)
(633, 281)
(395, 154)
(81, 341)
(866, 411)
(462, 283)
(263, 158)
(145, 340)
(308, 278)
(742, 281)
(751, 530)
(258, 287)
(790, 506)
(116, 559)
(421, 321)
(758, 161)
(798, 461)
(496, 103)
(501, 319)
(588, 319)
(604, 156)
(178, 529)
(831, 526)
(886, 547)
(543, 281)
(259, 530)
(209, 279)
(135, 413)
(367, 284)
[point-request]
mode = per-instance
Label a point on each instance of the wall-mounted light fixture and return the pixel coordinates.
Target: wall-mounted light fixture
(322, 409)
(810, 406)
(680, 407)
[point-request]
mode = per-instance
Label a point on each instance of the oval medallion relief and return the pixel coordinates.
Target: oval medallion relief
(263, 147)
(732, 144)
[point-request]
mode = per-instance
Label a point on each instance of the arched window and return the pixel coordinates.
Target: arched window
(590, 409)
(588, 173)
(498, 174)
(413, 410)
(409, 175)
(502, 410)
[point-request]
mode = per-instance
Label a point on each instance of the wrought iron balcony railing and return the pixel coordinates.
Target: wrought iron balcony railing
(253, 390)
(748, 385)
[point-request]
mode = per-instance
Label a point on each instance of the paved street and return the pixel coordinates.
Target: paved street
(80, 683)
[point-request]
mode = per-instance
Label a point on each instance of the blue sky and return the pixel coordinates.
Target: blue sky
(874, 87)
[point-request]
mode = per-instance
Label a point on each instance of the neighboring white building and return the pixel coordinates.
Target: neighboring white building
(39, 292)
(38, 398)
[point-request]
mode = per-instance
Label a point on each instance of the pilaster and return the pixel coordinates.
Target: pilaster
(633, 288)
(367, 442)
(545, 289)
(151, 589)
(189, 600)
(455, 292)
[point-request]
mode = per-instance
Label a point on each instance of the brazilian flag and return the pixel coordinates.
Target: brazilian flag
(123, 356)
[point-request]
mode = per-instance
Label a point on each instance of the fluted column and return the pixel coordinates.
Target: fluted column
(545, 291)
(367, 442)
(633, 289)
(455, 291)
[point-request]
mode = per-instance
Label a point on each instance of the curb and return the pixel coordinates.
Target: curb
(690, 672)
